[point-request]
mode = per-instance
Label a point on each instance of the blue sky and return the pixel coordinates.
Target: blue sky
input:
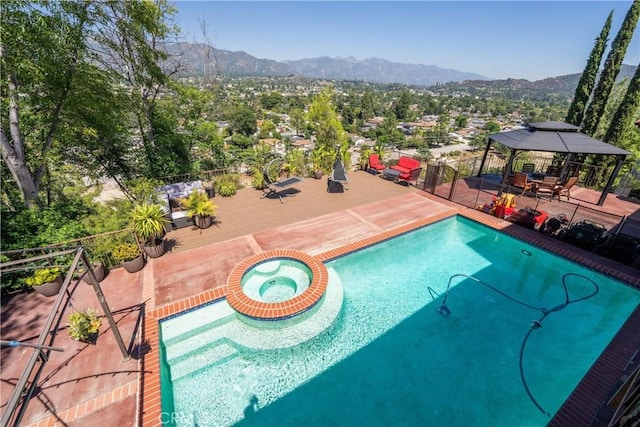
(500, 39)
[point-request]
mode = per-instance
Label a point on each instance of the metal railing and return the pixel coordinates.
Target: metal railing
(456, 181)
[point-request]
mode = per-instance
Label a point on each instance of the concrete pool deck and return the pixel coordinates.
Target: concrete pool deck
(94, 385)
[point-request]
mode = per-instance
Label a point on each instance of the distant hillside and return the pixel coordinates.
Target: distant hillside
(378, 71)
(198, 59)
(561, 86)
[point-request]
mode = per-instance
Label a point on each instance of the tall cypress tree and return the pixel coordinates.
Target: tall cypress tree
(611, 69)
(588, 78)
(625, 116)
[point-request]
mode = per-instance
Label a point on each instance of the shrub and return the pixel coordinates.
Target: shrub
(43, 275)
(227, 189)
(83, 324)
(257, 180)
(126, 252)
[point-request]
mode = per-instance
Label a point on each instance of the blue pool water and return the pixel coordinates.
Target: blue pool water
(389, 358)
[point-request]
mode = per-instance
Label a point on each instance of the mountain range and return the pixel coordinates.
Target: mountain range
(200, 59)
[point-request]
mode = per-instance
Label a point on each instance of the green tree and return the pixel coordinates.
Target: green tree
(588, 78)
(461, 121)
(40, 53)
(492, 126)
(242, 120)
(611, 69)
(270, 100)
(331, 138)
(401, 106)
(267, 129)
(134, 34)
(297, 120)
(627, 113)
(478, 141)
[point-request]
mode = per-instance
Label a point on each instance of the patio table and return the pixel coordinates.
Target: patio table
(391, 174)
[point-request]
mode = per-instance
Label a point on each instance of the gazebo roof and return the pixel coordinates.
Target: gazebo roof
(558, 137)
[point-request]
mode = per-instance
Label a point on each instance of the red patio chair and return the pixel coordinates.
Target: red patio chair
(375, 163)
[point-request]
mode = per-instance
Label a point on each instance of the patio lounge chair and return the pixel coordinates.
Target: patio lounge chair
(278, 188)
(375, 164)
(338, 179)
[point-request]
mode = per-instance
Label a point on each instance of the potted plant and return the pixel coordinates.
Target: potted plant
(129, 256)
(200, 207)
(46, 281)
(84, 326)
(318, 160)
(148, 223)
(363, 160)
(99, 271)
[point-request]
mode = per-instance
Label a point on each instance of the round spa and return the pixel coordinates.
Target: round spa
(277, 280)
(276, 285)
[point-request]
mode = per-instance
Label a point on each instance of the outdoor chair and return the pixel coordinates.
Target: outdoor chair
(411, 177)
(553, 170)
(278, 187)
(338, 179)
(565, 189)
(521, 180)
(528, 167)
(548, 186)
(375, 164)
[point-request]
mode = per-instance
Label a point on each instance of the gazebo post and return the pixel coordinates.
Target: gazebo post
(619, 160)
(507, 169)
(565, 166)
(484, 157)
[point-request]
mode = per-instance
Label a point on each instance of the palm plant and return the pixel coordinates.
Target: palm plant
(148, 222)
(199, 206)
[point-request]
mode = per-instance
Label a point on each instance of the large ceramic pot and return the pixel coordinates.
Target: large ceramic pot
(134, 265)
(155, 248)
(98, 270)
(204, 221)
(49, 289)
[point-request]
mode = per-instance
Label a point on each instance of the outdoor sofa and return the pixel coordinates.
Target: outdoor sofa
(169, 196)
(407, 166)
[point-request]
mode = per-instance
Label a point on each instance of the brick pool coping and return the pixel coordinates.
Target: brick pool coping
(247, 306)
(583, 403)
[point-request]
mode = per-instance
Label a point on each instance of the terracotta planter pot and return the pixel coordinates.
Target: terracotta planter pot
(204, 221)
(98, 270)
(49, 289)
(155, 249)
(134, 265)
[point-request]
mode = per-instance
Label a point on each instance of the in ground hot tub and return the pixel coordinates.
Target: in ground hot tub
(276, 280)
(276, 285)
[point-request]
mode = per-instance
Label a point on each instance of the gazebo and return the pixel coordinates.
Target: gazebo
(557, 137)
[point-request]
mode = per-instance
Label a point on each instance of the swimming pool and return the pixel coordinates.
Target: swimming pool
(390, 358)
